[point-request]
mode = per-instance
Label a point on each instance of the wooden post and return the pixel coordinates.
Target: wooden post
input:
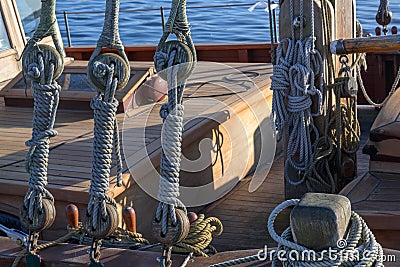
(341, 23)
(319, 221)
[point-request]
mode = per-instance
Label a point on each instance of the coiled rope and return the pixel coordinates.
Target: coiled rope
(46, 98)
(105, 144)
(360, 241)
(172, 113)
(121, 238)
(200, 236)
(107, 73)
(297, 77)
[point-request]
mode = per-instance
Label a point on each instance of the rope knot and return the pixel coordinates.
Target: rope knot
(33, 71)
(100, 69)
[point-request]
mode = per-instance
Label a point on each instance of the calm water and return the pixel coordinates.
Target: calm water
(229, 24)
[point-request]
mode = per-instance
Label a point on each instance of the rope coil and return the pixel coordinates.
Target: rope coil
(297, 77)
(360, 240)
(200, 236)
(46, 98)
(176, 58)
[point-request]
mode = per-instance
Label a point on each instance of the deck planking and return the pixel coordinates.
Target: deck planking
(69, 169)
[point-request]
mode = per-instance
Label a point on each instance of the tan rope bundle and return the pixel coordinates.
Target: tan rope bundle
(200, 236)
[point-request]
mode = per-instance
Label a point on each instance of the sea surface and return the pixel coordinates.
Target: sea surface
(142, 24)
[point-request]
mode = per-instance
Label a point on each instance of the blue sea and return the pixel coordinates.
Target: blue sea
(142, 25)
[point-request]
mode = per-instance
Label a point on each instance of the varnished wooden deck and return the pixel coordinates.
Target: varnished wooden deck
(243, 214)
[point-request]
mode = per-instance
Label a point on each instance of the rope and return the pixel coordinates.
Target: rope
(121, 238)
(200, 236)
(171, 138)
(46, 98)
(365, 93)
(172, 114)
(48, 26)
(23, 253)
(106, 141)
(297, 77)
(360, 239)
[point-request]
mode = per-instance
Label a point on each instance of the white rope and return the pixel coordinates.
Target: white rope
(294, 79)
(360, 241)
(365, 93)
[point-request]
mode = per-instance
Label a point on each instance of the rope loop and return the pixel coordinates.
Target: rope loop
(360, 240)
(200, 236)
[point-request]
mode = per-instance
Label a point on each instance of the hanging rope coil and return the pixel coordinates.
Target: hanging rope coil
(173, 60)
(297, 77)
(46, 96)
(200, 236)
(360, 240)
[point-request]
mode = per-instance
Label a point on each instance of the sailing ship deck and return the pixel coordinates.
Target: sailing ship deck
(243, 214)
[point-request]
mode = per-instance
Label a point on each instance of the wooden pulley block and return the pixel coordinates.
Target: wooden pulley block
(349, 86)
(175, 233)
(44, 218)
(105, 226)
(384, 17)
(121, 71)
(183, 57)
(50, 56)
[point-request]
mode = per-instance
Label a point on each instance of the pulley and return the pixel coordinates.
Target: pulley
(183, 57)
(119, 67)
(50, 56)
(105, 226)
(175, 232)
(43, 218)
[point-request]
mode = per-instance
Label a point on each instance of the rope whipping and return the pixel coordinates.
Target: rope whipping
(176, 58)
(360, 241)
(107, 73)
(297, 77)
(200, 236)
(48, 26)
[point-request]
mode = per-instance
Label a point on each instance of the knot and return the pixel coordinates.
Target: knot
(33, 71)
(100, 69)
(160, 60)
(298, 103)
(41, 137)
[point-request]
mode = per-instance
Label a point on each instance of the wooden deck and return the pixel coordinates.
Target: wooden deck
(244, 215)
(69, 168)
